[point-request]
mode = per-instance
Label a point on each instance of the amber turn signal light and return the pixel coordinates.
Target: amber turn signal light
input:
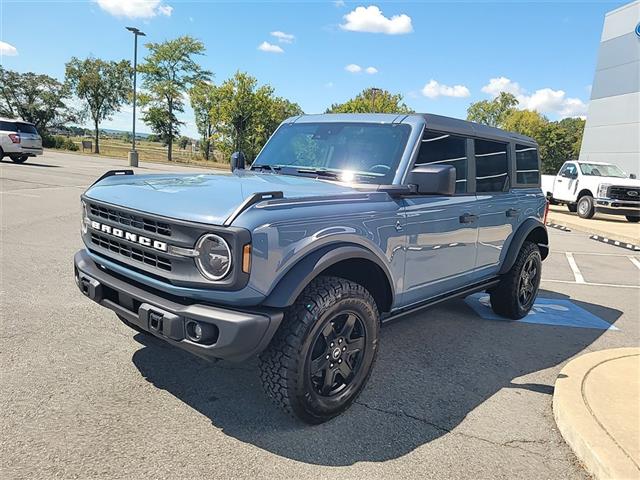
(246, 258)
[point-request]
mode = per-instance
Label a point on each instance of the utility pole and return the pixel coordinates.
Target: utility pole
(133, 154)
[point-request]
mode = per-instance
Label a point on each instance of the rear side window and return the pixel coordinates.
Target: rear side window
(492, 166)
(8, 126)
(26, 128)
(527, 170)
(443, 149)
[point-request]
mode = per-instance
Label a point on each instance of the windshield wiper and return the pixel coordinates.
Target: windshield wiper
(270, 168)
(320, 172)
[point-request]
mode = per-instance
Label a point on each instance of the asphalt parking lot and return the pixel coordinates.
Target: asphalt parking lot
(453, 395)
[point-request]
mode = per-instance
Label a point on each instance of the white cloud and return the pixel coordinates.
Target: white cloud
(433, 89)
(355, 68)
(544, 100)
(283, 37)
(270, 47)
(370, 19)
(135, 8)
(8, 50)
(339, 3)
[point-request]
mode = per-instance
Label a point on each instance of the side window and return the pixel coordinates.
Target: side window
(492, 166)
(569, 170)
(443, 149)
(527, 170)
(8, 126)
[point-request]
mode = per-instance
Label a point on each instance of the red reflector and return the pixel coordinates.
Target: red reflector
(14, 138)
(546, 211)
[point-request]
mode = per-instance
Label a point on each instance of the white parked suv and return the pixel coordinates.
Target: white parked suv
(19, 140)
(590, 187)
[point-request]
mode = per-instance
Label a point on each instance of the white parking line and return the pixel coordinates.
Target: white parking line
(588, 284)
(635, 261)
(574, 268)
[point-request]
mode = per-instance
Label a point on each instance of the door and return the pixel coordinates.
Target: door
(441, 231)
(566, 182)
(497, 207)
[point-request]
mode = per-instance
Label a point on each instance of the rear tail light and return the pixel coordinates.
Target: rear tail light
(546, 211)
(14, 138)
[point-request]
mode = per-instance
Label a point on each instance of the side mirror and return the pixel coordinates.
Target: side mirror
(237, 161)
(632, 176)
(434, 179)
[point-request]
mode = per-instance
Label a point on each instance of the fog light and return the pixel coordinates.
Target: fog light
(200, 332)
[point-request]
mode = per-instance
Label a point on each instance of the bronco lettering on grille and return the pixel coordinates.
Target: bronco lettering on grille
(131, 237)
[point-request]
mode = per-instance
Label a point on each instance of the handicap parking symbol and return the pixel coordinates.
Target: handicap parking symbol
(545, 311)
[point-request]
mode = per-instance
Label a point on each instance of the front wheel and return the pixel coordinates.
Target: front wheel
(321, 356)
(586, 207)
(632, 219)
(514, 296)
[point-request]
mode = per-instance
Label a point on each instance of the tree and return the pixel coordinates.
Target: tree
(492, 112)
(169, 71)
(372, 100)
(525, 122)
(556, 147)
(575, 129)
(183, 141)
(103, 86)
(39, 99)
(250, 114)
(205, 101)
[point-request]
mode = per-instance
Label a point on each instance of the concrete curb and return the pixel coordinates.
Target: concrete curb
(600, 448)
(561, 220)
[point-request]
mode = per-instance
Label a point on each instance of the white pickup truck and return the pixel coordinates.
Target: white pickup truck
(590, 187)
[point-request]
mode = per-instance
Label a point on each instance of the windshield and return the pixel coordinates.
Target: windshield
(362, 152)
(600, 170)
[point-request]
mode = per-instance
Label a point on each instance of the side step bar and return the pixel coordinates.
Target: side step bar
(462, 292)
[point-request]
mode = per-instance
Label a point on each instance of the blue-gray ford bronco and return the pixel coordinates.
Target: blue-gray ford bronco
(342, 222)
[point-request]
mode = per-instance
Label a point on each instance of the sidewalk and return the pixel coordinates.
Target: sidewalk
(615, 227)
(596, 404)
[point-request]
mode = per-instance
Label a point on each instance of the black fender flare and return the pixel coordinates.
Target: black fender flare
(527, 227)
(289, 287)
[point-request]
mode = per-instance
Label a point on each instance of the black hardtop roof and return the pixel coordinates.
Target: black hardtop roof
(464, 127)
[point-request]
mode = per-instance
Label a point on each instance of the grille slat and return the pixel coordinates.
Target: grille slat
(131, 252)
(622, 193)
(130, 220)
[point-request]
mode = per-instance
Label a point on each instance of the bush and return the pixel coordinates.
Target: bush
(59, 142)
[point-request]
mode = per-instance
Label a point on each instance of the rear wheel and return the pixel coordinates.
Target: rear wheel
(514, 296)
(19, 158)
(321, 356)
(586, 207)
(632, 219)
(572, 207)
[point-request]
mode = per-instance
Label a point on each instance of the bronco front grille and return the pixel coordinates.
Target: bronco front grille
(625, 193)
(131, 252)
(128, 219)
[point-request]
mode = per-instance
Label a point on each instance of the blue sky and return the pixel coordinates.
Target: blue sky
(440, 55)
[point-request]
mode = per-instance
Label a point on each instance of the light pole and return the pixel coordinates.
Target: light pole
(374, 91)
(133, 154)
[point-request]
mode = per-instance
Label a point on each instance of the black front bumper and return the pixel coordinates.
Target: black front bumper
(240, 334)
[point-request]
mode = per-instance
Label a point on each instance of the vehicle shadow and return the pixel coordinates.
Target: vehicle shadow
(44, 165)
(433, 368)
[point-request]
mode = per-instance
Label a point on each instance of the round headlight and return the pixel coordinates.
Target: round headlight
(214, 257)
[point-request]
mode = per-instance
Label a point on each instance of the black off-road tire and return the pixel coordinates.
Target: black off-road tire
(132, 325)
(632, 219)
(286, 366)
(19, 158)
(1, 154)
(573, 207)
(586, 206)
(505, 297)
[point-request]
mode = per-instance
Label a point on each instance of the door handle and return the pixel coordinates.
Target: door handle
(559, 181)
(468, 218)
(513, 212)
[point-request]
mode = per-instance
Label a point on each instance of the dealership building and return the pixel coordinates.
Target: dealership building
(612, 130)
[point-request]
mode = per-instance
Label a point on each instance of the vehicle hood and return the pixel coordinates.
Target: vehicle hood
(620, 182)
(205, 198)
